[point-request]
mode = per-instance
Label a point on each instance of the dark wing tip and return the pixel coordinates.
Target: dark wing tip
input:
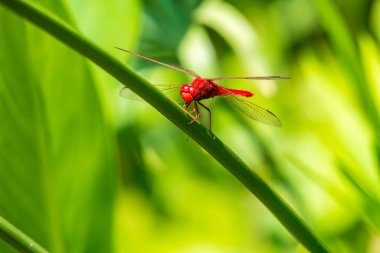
(273, 121)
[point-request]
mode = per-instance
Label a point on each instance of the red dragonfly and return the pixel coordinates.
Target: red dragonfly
(203, 88)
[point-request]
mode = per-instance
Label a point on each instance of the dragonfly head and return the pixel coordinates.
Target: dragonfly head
(188, 93)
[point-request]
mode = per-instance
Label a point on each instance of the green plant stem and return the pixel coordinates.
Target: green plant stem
(67, 35)
(18, 239)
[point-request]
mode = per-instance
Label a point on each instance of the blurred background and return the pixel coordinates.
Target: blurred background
(84, 170)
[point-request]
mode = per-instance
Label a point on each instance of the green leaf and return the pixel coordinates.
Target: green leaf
(56, 175)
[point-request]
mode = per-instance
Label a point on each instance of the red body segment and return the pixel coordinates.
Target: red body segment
(243, 93)
(204, 88)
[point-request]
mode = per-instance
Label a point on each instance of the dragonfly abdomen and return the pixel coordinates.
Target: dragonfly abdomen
(225, 92)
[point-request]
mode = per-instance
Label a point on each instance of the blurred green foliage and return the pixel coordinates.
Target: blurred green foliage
(84, 170)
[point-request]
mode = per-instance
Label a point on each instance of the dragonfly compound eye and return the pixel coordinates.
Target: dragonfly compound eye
(187, 93)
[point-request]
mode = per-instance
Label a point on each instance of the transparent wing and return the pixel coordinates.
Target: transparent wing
(170, 90)
(251, 110)
(249, 77)
(187, 71)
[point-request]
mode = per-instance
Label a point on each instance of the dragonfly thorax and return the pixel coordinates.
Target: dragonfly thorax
(188, 93)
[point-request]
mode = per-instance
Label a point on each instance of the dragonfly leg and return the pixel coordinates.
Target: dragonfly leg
(197, 116)
(195, 110)
(186, 106)
(209, 112)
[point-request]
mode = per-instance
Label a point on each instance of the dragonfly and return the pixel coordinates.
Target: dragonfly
(204, 88)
